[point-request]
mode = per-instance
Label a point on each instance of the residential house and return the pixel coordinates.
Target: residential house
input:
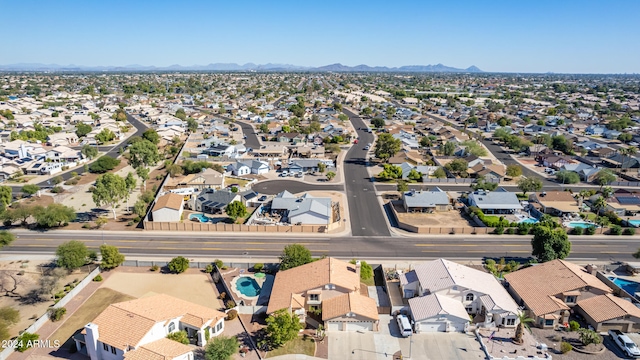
(554, 161)
(293, 138)
(303, 210)
(624, 202)
(62, 139)
(330, 286)
(425, 170)
(220, 150)
(137, 329)
(426, 201)
(213, 201)
(550, 290)
(499, 201)
(595, 130)
(556, 203)
(246, 167)
(607, 312)
(63, 154)
(307, 165)
(206, 179)
(443, 294)
(620, 161)
(168, 207)
(585, 171)
(611, 134)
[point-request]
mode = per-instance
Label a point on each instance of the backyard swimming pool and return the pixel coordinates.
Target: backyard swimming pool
(528, 221)
(248, 286)
(629, 286)
(580, 224)
(200, 217)
(635, 223)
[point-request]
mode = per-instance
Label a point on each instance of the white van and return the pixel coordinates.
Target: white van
(404, 325)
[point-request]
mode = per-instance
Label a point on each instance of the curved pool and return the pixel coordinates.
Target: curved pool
(627, 285)
(199, 217)
(248, 286)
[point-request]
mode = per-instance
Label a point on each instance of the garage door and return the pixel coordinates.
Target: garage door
(334, 326)
(458, 327)
(362, 326)
(432, 327)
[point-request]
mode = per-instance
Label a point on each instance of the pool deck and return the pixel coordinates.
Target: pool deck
(240, 295)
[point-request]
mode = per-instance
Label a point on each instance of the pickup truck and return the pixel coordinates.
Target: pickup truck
(625, 343)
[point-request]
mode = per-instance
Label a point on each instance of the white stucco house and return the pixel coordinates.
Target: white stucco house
(168, 207)
(137, 329)
(443, 294)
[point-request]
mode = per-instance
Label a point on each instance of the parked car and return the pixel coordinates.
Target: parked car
(625, 343)
(366, 147)
(262, 198)
(404, 325)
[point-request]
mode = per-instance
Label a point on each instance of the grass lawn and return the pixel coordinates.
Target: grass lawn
(522, 197)
(369, 282)
(590, 216)
(296, 346)
(99, 301)
(229, 181)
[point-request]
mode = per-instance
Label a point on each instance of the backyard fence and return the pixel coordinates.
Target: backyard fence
(44, 318)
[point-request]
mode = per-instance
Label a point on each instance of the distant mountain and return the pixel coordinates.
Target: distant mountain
(236, 67)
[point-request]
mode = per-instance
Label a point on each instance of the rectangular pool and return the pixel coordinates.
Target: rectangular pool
(629, 286)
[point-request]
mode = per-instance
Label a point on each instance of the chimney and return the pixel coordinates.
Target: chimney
(91, 339)
(592, 269)
(358, 265)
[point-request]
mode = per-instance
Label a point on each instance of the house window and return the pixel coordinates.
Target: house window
(219, 326)
(469, 297)
(511, 322)
(105, 347)
(570, 299)
(172, 327)
(314, 297)
(113, 350)
(469, 309)
(548, 322)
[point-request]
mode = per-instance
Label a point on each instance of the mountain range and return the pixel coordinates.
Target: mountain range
(237, 67)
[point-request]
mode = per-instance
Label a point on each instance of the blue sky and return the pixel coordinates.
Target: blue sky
(504, 36)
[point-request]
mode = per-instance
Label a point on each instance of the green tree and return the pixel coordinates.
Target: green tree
(514, 170)
(236, 209)
(550, 244)
(30, 189)
(25, 341)
(8, 316)
(111, 257)
(439, 173)
(529, 185)
(523, 322)
(625, 137)
(83, 129)
(377, 123)
(322, 167)
(72, 255)
(6, 238)
(415, 175)
(607, 192)
(390, 111)
(330, 175)
(6, 196)
(151, 135)
(110, 190)
(55, 215)
(567, 177)
(178, 264)
(457, 166)
(402, 186)
(105, 136)
(482, 184)
(180, 114)
(143, 153)
(179, 336)
(282, 327)
(367, 111)
(143, 174)
(104, 164)
(221, 347)
(387, 146)
(599, 204)
(294, 255)
(89, 151)
(425, 141)
(448, 148)
(390, 172)
(140, 208)
(192, 125)
(604, 177)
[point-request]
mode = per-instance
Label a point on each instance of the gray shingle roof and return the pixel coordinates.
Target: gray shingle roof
(425, 198)
(495, 200)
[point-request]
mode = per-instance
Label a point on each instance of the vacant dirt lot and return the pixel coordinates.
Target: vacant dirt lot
(451, 218)
(193, 285)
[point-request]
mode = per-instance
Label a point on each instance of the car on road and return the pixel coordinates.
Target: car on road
(625, 343)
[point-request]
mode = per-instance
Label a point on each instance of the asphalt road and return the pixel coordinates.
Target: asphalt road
(272, 187)
(252, 140)
(586, 248)
(367, 216)
(113, 151)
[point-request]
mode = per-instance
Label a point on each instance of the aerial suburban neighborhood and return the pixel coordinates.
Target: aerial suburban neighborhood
(291, 210)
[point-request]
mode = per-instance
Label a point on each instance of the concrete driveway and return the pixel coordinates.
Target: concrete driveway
(383, 344)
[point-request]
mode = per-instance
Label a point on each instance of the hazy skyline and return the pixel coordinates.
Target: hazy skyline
(500, 36)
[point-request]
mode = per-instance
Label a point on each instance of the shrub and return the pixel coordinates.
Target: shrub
(499, 230)
(590, 230)
(56, 314)
(219, 264)
(208, 269)
(178, 264)
(154, 268)
(179, 336)
(512, 231)
(25, 341)
(57, 189)
(588, 336)
(98, 278)
(232, 314)
(629, 231)
(574, 325)
(524, 228)
(231, 304)
(577, 231)
(615, 230)
(565, 347)
(258, 267)
(222, 296)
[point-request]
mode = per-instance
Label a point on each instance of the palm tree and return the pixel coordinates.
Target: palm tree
(623, 152)
(599, 204)
(523, 322)
(631, 151)
(583, 194)
(607, 191)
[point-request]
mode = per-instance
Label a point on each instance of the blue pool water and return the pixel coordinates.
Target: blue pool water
(248, 286)
(635, 223)
(580, 224)
(528, 221)
(629, 286)
(201, 217)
